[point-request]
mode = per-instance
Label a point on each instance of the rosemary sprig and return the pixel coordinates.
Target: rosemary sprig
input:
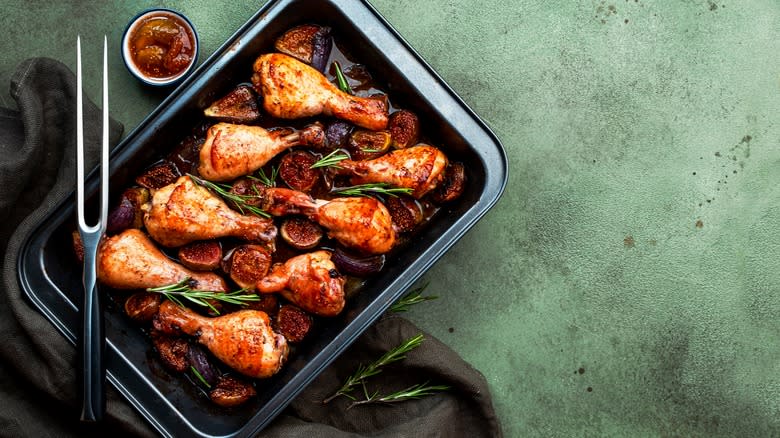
(183, 290)
(365, 371)
(199, 376)
(331, 160)
(413, 392)
(410, 299)
(343, 84)
(268, 181)
(372, 189)
(240, 201)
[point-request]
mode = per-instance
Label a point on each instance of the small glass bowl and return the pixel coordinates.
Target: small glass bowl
(127, 49)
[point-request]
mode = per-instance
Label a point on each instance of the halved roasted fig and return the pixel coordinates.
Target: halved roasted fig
(142, 306)
(268, 303)
(172, 351)
(158, 176)
(301, 233)
(238, 106)
(231, 391)
(247, 264)
(367, 145)
(404, 127)
(295, 170)
(309, 43)
(293, 323)
(129, 213)
(204, 255)
(406, 212)
(359, 266)
(249, 190)
(453, 184)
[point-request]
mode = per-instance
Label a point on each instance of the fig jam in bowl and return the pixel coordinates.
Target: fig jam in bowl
(160, 47)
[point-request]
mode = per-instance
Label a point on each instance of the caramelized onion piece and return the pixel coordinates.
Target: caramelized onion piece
(453, 184)
(129, 213)
(247, 264)
(355, 265)
(199, 360)
(295, 170)
(293, 323)
(301, 233)
(404, 127)
(142, 306)
(231, 391)
(238, 106)
(204, 255)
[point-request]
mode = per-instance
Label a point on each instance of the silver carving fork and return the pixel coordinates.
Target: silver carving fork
(92, 341)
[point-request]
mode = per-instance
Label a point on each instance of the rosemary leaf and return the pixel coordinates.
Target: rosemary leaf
(183, 290)
(343, 84)
(240, 201)
(330, 160)
(199, 376)
(413, 392)
(410, 299)
(268, 181)
(365, 371)
(372, 189)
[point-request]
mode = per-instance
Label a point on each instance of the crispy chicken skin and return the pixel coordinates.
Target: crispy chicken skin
(184, 212)
(310, 281)
(243, 339)
(292, 90)
(419, 168)
(360, 223)
(130, 260)
(231, 151)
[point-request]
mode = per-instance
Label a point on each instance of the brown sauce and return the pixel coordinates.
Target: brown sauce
(162, 45)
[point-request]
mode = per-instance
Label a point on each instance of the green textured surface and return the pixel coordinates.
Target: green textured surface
(627, 283)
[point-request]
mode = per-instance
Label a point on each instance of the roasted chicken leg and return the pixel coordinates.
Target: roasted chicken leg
(243, 340)
(310, 281)
(184, 212)
(419, 168)
(130, 260)
(231, 151)
(361, 223)
(292, 90)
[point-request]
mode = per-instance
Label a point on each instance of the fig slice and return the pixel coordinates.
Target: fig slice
(204, 255)
(337, 134)
(142, 306)
(301, 233)
(367, 145)
(231, 391)
(404, 127)
(406, 212)
(238, 106)
(247, 264)
(309, 43)
(295, 170)
(293, 323)
(158, 176)
(453, 184)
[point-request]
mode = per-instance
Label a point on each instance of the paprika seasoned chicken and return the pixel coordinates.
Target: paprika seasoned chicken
(130, 260)
(420, 168)
(184, 212)
(231, 151)
(292, 90)
(360, 223)
(310, 281)
(243, 339)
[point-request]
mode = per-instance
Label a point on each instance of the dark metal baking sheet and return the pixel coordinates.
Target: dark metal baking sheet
(51, 278)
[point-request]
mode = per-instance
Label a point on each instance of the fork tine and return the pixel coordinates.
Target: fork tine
(104, 149)
(79, 141)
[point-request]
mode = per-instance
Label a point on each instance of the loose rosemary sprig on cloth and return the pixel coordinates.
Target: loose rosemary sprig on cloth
(412, 298)
(372, 189)
(365, 371)
(413, 392)
(183, 290)
(240, 201)
(342, 80)
(331, 160)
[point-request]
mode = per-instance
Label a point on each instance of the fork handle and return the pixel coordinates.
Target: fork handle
(93, 396)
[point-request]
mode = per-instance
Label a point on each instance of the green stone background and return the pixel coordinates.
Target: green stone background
(626, 284)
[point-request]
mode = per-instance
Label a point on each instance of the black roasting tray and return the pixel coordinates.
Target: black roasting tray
(51, 277)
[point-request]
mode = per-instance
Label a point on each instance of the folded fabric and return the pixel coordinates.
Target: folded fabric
(38, 392)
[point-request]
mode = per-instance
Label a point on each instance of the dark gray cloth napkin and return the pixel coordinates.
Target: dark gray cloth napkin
(38, 393)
